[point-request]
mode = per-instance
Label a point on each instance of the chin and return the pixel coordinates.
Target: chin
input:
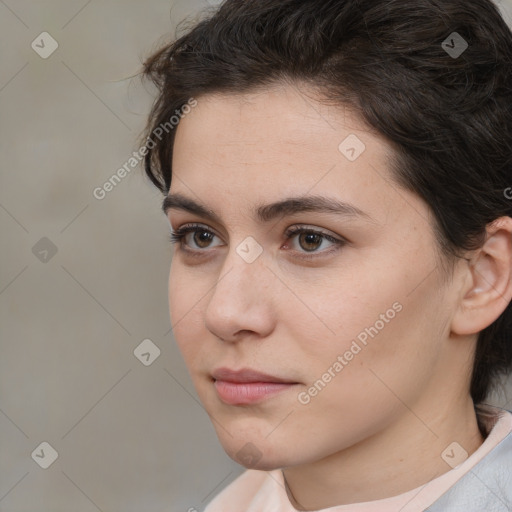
(254, 451)
(251, 457)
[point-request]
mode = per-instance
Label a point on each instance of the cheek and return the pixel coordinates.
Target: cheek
(175, 305)
(187, 321)
(186, 288)
(369, 320)
(340, 313)
(382, 351)
(352, 386)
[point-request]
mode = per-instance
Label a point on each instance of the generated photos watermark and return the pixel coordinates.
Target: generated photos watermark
(357, 345)
(137, 156)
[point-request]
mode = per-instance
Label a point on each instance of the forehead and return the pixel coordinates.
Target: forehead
(236, 151)
(280, 114)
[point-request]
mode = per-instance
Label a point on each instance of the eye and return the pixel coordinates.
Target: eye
(311, 241)
(200, 236)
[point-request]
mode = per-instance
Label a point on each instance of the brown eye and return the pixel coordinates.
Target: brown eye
(202, 238)
(305, 240)
(310, 241)
(194, 238)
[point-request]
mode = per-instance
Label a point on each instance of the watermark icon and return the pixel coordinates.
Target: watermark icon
(44, 250)
(454, 45)
(454, 455)
(44, 45)
(248, 455)
(137, 156)
(45, 455)
(146, 352)
(351, 147)
(304, 397)
(508, 193)
(249, 249)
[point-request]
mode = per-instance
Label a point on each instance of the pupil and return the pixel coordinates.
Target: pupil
(201, 237)
(311, 239)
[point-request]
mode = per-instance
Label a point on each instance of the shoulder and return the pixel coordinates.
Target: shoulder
(487, 486)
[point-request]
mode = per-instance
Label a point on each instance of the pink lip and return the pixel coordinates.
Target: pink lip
(246, 386)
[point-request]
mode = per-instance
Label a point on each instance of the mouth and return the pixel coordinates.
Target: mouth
(248, 386)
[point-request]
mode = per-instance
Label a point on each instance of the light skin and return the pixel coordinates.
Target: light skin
(379, 427)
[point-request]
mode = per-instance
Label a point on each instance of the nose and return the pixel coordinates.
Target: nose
(240, 304)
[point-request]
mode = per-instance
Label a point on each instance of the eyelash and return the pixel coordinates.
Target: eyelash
(177, 237)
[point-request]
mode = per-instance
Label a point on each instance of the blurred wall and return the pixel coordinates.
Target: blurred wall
(83, 279)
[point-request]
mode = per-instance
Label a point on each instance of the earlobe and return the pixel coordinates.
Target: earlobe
(488, 290)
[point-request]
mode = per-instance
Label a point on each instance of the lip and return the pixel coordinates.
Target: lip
(247, 375)
(247, 386)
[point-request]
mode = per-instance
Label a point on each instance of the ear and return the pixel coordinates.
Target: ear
(488, 286)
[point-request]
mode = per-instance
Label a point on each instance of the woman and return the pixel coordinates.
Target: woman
(342, 276)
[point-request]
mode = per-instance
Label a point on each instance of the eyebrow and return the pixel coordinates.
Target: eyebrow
(268, 212)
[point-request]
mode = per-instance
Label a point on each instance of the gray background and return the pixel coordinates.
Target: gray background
(129, 437)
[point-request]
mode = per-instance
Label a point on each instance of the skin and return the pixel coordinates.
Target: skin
(379, 427)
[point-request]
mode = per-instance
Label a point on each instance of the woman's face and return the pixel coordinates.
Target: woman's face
(352, 313)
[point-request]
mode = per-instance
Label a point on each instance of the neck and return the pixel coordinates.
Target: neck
(406, 455)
